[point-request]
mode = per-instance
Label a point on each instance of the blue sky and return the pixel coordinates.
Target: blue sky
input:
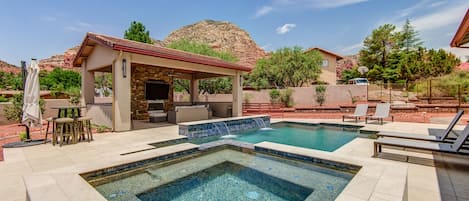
(40, 29)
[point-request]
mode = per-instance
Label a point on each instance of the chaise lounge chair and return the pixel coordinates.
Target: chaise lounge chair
(438, 137)
(360, 111)
(382, 111)
(454, 147)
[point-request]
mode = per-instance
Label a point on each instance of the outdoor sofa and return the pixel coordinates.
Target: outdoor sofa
(188, 113)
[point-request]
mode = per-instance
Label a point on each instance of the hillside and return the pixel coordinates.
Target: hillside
(6, 67)
(224, 36)
(64, 60)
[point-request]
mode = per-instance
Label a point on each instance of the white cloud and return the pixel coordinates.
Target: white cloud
(351, 49)
(407, 11)
(84, 24)
(303, 4)
(79, 27)
(285, 28)
(264, 10)
(436, 4)
(440, 18)
(330, 3)
(48, 18)
(266, 46)
(462, 53)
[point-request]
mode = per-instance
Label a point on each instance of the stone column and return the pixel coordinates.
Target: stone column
(194, 89)
(121, 95)
(87, 85)
(237, 95)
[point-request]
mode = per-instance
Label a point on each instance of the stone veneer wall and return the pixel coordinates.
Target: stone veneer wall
(140, 74)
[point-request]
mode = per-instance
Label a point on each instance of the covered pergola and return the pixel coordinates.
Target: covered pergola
(461, 37)
(133, 63)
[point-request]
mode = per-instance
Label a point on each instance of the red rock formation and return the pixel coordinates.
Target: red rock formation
(223, 36)
(9, 68)
(64, 61)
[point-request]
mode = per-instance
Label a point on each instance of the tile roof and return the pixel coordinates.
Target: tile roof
(463, 66)
(461, 37)
(325, 51)
(125, 45)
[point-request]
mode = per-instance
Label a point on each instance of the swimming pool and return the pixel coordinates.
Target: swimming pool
(313, 136)
(226, 174)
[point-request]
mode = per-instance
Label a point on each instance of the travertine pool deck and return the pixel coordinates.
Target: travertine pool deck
(50, 172)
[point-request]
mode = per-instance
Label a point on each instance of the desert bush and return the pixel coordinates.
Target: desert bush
(74, 95)
(3, 99)
(14, 112)
(274, 96)
(286, 97)
(101, 128)
(321, 94)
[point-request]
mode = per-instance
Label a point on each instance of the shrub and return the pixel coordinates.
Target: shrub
(14, 112)
(101, 128)
(3, 99)
(274, 96)
(23, 136)
(74, 94)
(353, 98)
(286, 97)
(247, 97)
(321, 94)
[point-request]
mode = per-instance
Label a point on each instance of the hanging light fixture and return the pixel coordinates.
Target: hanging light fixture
(124, 68)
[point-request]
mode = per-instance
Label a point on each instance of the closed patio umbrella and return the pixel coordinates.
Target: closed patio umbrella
(31, 110)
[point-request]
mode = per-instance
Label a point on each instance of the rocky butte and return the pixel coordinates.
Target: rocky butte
(9, 68)
(223, 36)
(64, 60)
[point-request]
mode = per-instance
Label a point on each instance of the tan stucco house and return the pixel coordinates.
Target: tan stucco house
(329, 65)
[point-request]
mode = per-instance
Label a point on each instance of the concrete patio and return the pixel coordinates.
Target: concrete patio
(48, 171)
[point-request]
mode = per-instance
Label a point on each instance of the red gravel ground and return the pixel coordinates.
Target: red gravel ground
(10, 133)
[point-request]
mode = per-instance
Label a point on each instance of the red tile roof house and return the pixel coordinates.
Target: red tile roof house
(132, 64)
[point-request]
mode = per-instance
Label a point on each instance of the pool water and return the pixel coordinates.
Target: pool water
(228, 175)
(312, 136)
(249, 184)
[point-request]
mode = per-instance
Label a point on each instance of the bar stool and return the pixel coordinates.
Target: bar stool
(50, 120)
(84, 126)
(64, 129)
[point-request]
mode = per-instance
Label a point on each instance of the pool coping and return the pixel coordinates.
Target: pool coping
(375, 179)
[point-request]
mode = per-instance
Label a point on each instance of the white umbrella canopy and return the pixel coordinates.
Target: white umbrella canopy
(31, 109)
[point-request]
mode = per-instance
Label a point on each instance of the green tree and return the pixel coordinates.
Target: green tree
(211, 85)
(349, 74)
(103, 81)
(286, 67)
(395, 56)
(378, 47)
(409, 39)
(138, 32)
(60, 80)
(202, 49)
